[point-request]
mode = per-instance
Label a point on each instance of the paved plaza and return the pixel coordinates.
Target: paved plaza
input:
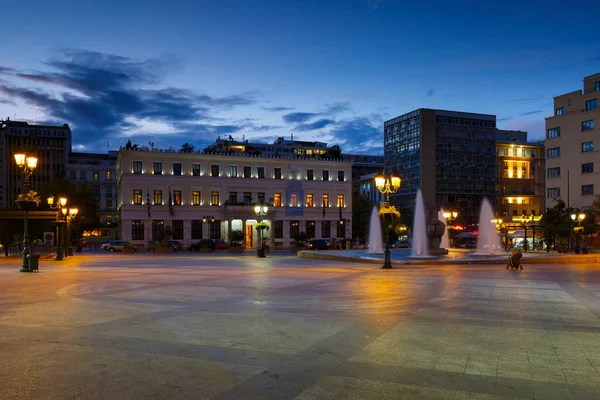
(217, 326)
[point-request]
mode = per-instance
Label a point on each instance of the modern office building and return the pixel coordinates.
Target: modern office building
(572, 160)
(449, 155)
(98, 173)
(208, 195)
(51, 144)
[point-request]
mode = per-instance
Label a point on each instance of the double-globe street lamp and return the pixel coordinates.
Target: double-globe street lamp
(260, 210)
(68, 215)
(578, 217)
(450, 216)
(58, 206)
(26, 164)
(387, 184)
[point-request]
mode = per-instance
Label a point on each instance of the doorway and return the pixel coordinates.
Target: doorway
(249, 238)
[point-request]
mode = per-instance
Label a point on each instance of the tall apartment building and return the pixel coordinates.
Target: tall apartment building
(208, 195)
(51, 144)
(98, 172)
(572, 160)
(449, 155)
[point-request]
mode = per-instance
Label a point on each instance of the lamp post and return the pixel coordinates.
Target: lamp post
(387, 184)
(210, 219)
(69, 215)
(525, 220)
(62, 201)
(498, 222)
(26, 164)
(260, 210)
(578, 217)
(450, 216)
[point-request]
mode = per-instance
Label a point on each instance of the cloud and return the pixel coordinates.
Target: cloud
(9, 102)
(430, 92)
(530, 112)
(359, 135)
(277, 109)
(336, 108)
(510, 118)
(321, 123)
(527, 99)
(299, 117)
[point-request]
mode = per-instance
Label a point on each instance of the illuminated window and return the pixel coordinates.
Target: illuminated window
(294, 200)
(277, 200)
(108, 175)
(214, 198)
(340, 200)
(137, 196)
(96, 176)
(196, 198)
(158, 197)
(309, 200)
(325, 200)
(177, 197)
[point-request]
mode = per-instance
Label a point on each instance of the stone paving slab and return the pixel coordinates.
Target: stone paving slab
(185, 326)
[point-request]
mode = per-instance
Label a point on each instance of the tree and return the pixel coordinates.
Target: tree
(187, 148)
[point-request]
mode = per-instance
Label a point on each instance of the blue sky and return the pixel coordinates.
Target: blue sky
(188, 71)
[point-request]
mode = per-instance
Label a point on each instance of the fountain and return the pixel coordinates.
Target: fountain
(419, 238)
(445, 243)
(488, 240)
(375, 241)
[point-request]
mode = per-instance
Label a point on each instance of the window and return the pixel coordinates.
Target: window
(214, 230)
(214, 170)
(137, 229)
(505, 152)
(532, 153)
(214, 198)
(177, 169)
(247, 172)
(261, 172)
(293, 200)
(109, 175)
(82, 175)
(247, 198)
(196, 229)
(326, 175)
(309, 200)
(277, 200)
(157, 225)
(587, 168)
(277, 173)
(559, 111)
(137, 196)
(233, 171)
(325, 229)
(278, 230)
(340, 176)
(137, 167)
(96, 176)
(177, 228)
(587, 147)
(587, 190)
(176, 197)
(261, 197)
(587, 125)
(96, 189)
(554, 172)
(310, 174)
(554, 152)
(340, 200)
(158, 197)
(310, 229)
(597, 86)
(294, 228)
(196, 198)
(157, 168)
(232, 198)
(591, 104)
(515, 152)
(554, 193)
(196, 169)
(73, 174)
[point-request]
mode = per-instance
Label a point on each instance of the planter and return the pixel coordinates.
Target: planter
(158, 249)
(26, 205)
(235, 249)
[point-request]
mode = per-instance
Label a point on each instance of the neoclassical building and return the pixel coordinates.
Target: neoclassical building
(208, 195)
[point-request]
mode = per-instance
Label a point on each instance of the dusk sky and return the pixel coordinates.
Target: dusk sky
(333, 71)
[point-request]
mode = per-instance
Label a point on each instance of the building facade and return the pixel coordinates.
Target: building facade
(449, 155)
(572, 160)
(51, 144)
(208, 195)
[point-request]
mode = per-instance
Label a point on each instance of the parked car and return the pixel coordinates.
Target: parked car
(401, 244)
(174, 244)
(116, 245)
(209, 243)
(318, 244)
(468, 244)
(221, 245)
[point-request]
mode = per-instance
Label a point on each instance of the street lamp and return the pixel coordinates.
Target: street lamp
(498, 222)
(578, 217)
(209, 219)
(69, 214)
(261, 210)
(525, 220)
(450, 216)
(62, 201)
(26, 164)
(387, 184)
